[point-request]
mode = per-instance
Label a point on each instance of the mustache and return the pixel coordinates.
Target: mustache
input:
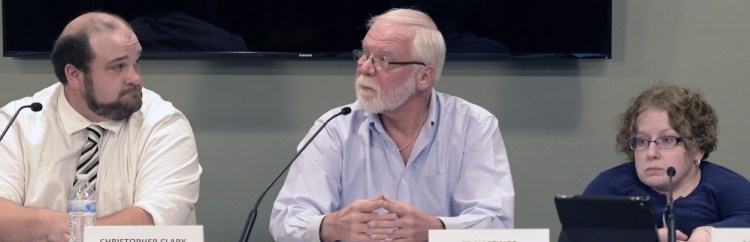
(137, 90)
(367, 82)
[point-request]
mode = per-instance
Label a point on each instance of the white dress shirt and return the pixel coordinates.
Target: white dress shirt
(148, 160)
(458, 170)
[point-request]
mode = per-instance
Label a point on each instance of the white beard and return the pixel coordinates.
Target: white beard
(373, 99)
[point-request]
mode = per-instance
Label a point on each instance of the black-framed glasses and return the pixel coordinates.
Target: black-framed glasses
(381, 62)
(664, 142)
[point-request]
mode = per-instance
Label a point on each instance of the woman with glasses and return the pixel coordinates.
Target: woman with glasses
(673, 128)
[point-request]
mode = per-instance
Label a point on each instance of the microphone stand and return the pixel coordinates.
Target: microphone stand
(670, 207)
(250, 222)
(34, 107)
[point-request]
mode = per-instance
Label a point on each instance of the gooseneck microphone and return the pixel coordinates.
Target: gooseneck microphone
(670, 207)
(36, 107)
(254, 212)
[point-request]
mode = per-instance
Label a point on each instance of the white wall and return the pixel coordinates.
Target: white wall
(557, 116)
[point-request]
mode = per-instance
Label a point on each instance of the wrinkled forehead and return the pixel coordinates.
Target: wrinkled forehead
(389, 38)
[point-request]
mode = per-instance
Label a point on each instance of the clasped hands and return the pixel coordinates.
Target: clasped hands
(378, 219)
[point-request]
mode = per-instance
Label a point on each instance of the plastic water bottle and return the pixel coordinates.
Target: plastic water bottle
(81, 208)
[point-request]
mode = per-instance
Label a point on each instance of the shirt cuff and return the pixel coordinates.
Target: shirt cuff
(313, 229)
(452, 222)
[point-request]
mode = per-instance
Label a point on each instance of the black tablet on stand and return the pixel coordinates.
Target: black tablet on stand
(606, 218)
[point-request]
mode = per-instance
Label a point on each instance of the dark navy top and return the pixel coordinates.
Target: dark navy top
(721, 199)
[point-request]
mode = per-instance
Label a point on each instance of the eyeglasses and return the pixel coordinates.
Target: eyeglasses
(665, 142)
(380, 62)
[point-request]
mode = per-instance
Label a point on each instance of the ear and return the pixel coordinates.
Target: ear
(698, 156)
(426, 78)
(74, 76)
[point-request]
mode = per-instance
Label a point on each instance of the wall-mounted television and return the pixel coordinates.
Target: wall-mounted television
(296, 29)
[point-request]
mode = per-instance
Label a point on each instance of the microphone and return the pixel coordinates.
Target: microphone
(36, 107)
(670, 207)
(254, 212)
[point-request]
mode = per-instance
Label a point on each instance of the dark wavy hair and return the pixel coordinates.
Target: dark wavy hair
(689, 114)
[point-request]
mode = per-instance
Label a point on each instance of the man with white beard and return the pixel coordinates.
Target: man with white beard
(408, 159)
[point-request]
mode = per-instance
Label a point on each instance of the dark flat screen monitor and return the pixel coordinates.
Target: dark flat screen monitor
(198, 29)
(606, 218)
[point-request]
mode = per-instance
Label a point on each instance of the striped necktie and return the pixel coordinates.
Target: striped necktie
(88, 163)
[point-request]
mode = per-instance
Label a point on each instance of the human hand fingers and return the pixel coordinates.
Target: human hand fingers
(368, 205)
(679, 235)
(344, 225)
(391, 203)
(382, 216)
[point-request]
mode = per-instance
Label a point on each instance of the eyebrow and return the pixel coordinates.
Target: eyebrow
(118, 59)
(121, 58)
(385, 51)
(382, 53)
(661, 133)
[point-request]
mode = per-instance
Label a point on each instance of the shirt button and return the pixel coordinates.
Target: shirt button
(403, 181)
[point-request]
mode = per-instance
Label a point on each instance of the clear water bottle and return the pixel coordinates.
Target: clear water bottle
(81, 208)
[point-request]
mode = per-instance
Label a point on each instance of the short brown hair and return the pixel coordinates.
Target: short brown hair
(689, 114)
(73, 47)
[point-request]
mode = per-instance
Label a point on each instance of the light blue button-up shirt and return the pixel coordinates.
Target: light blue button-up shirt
(458, 170)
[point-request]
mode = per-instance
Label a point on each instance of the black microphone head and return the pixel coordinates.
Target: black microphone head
(36, 107)
(670, 171)
(346, 110)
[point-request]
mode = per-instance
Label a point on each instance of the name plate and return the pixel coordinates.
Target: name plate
(730, 235)
(187, 233)
(490, 235)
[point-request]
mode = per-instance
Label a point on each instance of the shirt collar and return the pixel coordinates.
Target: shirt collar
(433, 109)
(72, 121)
